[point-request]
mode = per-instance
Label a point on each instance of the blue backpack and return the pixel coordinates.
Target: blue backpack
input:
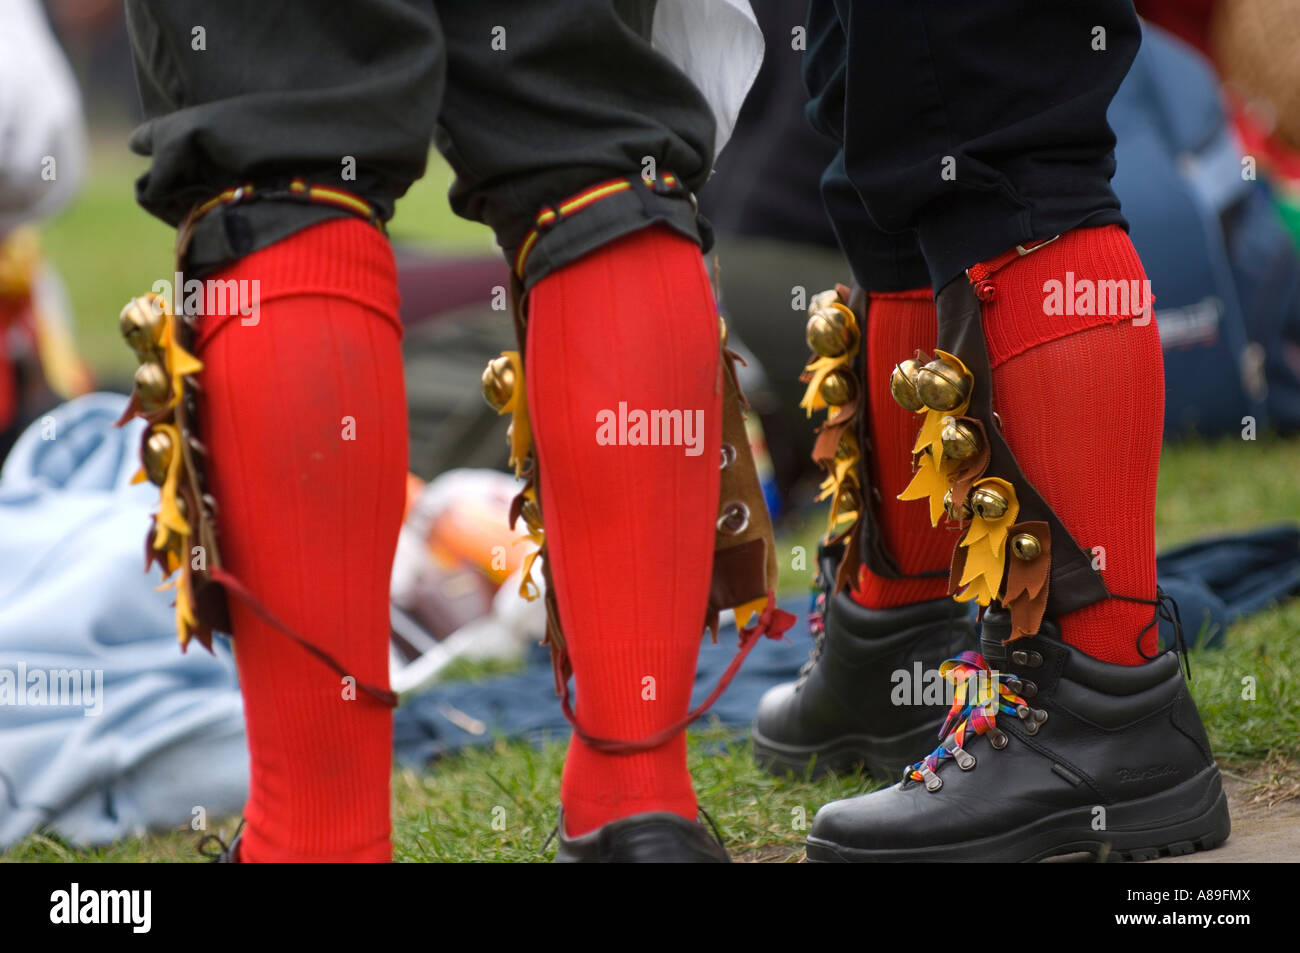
(1224, 271)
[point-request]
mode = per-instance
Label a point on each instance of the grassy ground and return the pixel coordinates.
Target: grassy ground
(500, 804)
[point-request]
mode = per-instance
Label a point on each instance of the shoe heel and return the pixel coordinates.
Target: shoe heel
(1157, 827)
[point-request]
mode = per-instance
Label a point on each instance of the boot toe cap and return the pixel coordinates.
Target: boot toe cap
(774, 710)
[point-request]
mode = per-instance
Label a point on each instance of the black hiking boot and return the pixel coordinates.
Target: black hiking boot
(1080, 756)
(656, 837)
(859, 700)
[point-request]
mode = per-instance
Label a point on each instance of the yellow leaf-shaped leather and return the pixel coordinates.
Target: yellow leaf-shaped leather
(528, 589)
(819, 369)
(981, 560)
(978, 591)
(178, 361)
(928, 438)
(521, 431)
(745, 612)
(985, 543)
(929, 482)
(169, 520)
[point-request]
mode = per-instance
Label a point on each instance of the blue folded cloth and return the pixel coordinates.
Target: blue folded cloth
(128, 734)
(1219, 580)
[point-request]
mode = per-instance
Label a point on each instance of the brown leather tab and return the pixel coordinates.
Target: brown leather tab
(1028, 581)
(829, 434)
(750, 574)
(738, 574)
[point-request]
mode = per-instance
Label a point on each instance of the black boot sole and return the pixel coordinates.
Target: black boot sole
(882, 758)
(1190, 817)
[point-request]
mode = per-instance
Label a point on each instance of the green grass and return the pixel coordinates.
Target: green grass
(499, 804)
(1226, 486)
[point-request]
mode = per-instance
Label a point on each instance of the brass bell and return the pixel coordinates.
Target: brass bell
(956, 517)
(988, 503)
(157, 456)
(1026, 546)
(902, 384)
(152, 385)
(828, 333)
(848, 500)
(141, 323)
(838, 387)
(532, 514)
(960, 441)
(845, 449)
(822, 300)
(498, 382)
(942, 386)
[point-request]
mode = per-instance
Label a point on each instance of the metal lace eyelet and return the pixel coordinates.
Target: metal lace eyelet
(734, 519)
(932, 781)
(965, 760)
(728, 456)
(1032, 718)
(1027, 688)
(998, 739)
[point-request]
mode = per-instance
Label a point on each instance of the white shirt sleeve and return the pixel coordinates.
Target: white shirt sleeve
(42, 132)
(718, 44)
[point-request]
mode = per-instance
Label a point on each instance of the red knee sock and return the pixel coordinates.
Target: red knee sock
(897, 324)
(629, 529)
(1081, 399)
(305, 418)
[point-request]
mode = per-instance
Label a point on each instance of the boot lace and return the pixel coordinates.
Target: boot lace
(817, 629)
(980, 695)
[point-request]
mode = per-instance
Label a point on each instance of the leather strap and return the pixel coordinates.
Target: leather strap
(1074, 584)
(236, 588)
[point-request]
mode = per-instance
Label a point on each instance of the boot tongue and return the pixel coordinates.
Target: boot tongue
(995, 631)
